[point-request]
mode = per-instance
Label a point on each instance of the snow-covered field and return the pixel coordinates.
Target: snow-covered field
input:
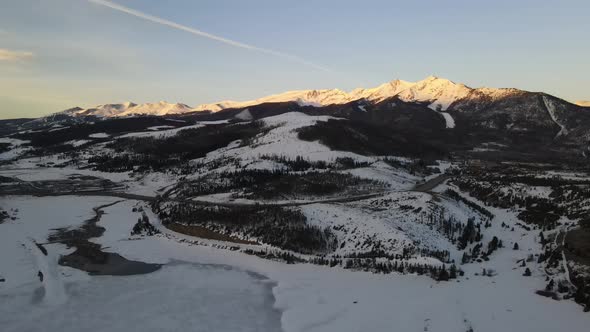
(204, 288)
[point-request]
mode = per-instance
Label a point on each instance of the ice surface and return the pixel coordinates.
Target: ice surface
(181, 296)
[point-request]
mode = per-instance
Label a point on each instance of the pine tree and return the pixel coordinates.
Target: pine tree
(515, 246)
(465, 259)
(527, 272)
(453, 272)
(580, 294)
(493, 245)
(467, 235)
(443, 275)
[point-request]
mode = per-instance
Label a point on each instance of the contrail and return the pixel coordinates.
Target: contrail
(200, 33)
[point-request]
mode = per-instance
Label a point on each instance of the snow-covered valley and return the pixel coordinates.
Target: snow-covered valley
(208, 289)
(287, 222)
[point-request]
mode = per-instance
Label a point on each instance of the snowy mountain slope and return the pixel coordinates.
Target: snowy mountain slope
(163, 132)
(130, 109)
(302, 97)
(439, 92)
(318, 98)
(282, 141)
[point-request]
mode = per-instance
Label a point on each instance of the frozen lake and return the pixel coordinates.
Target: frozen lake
(192, 297)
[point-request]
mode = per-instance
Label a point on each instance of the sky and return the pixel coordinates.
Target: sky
(57, 54)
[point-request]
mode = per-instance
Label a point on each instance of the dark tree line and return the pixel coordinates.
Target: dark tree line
(280, 227)
(143, 154)
(272, 184)
(46, 138)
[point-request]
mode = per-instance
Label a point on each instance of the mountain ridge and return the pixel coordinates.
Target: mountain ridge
(433, 108)
(439, 93)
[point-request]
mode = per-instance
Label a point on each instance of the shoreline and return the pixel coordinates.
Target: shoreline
(89, 256)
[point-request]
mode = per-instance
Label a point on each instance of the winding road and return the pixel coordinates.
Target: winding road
(28, 189)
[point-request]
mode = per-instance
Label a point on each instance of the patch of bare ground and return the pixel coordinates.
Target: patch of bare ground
(204, 233)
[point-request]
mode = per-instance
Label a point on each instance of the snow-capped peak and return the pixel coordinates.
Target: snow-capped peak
(440, 92)
(381, 92)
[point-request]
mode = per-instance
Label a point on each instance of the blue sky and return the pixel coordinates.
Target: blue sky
(56, 54)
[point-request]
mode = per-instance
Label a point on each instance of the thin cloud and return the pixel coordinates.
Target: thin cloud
(200, 33)
(9, 55)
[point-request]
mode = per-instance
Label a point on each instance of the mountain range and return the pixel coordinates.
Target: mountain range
(434, 115)
(432, 103)
(439, 93)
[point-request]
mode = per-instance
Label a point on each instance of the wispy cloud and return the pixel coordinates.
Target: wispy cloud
(200, 33)
(10, 55)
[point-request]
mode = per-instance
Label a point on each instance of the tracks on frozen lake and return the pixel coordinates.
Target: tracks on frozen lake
(53, 285)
